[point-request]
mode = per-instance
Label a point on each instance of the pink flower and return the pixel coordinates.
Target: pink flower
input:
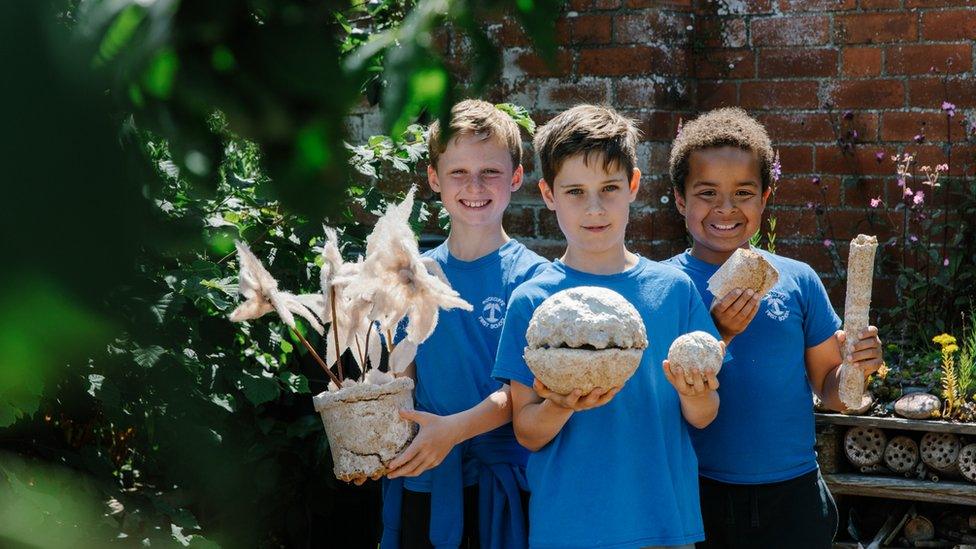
(945, 262)
(879, 156)
(815, 180)
(919, 198)
(809, 205)
(913, 238)
(918, 138)
(901, 181)
(949, 108)
(908, 191)
(875, 202)
(828, 243)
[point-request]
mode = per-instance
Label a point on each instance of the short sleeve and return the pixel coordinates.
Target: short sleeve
(819, 319)
(509, 363)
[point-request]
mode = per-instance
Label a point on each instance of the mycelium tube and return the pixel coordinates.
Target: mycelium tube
(860, 277)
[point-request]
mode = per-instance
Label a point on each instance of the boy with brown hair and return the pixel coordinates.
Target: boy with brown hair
(614, 467)
(760, 485)
(461, 482)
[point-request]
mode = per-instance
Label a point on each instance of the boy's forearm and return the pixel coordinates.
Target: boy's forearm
(830, 394)
(536, 424)
(491, 413)
(699, 411)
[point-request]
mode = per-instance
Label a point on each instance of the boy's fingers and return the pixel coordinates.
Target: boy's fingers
(698, 385)
(865, 355)
(712, 381)
(727, 300)
(405, 457)
(869, 332)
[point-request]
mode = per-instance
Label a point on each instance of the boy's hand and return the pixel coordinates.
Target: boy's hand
(437, 437)
(867, 353)
(734, 312)
(690, 384)
(576, 401)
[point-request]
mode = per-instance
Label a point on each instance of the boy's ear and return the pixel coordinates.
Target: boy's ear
(435, 185)
(679, 200)
(634, 184)
(517, 178)
(547, 197)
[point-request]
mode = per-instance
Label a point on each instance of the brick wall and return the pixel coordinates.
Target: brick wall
(835, 82)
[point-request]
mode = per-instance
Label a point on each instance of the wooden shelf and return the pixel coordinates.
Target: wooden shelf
(931, 425)
(946, 491)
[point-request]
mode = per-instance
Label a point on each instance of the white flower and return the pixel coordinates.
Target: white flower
(262, 296)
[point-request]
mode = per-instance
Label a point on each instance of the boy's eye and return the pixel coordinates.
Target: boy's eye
(745, 193)
(575, 191)
(491, 173)
(458, 172)
(706, 193)
(611, 188)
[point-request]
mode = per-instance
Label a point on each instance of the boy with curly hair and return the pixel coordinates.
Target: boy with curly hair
(760, 484)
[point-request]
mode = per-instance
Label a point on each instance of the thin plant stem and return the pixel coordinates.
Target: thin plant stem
(318, 358)
(335, 332)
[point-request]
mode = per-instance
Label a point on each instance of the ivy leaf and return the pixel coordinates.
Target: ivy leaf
(147, 357)
(295, 383)
(259, 389)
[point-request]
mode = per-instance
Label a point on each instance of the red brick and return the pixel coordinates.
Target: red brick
(867, 94)
(795, 158)
(865, 124)
(533, 65)
(938, 3)
(618, 61)
(509, 33)
(562, 94)
(880, 4)
(832, 160)
(798, 127)
(721, 32)
(657, 158)
(795, 223)
(675, 4)
(800, 191)
(873, 28)
(930, 93)
(725, 64)
(591, 29)
(797, 62)
(712, 95)
(519, 220)
(751, 7)
(867, 189)
(659, 224)
(579, 5)
(862, 61)
(655, 125)
(778, 95)
(642, 94)
(817, 5)
(812, 254)
(606, 4)
(904, 126)
(949, 25)
(932, 155)
(922, 58)
(651, 26)
(800, 30)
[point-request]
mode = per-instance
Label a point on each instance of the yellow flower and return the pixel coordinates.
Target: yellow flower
(944, 339)
(950, 348)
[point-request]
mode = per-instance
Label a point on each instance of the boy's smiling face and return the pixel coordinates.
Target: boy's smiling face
(723, 201)
(592, 205)
(475, 179)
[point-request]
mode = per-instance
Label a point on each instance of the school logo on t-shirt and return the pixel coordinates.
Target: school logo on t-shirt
(492, 313)
(776, 308)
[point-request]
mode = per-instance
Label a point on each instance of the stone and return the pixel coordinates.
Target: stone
(696, 352)
(867, 400)
(918, 406)
(746, 269)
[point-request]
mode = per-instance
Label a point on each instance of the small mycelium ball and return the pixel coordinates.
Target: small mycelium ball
(695, 352)
(583, 338)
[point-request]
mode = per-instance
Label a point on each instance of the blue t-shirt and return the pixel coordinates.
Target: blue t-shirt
(454, 364)
(624, 474)
(764, 431)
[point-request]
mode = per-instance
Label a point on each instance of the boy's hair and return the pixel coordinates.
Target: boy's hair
(587, 129)
(729, 126)
(481, 119)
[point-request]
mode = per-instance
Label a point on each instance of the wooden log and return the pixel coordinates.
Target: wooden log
(864, 446)
(919, 528)
(926, 425)
(956, 492)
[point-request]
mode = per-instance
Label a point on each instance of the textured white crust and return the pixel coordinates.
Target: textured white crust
(364, 428)
(860, 278)
(697, 352)
(586, 315)
(746, 269)
(563, 370)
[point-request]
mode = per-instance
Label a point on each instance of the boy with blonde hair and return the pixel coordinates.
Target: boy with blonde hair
(462, 481)
(614, 467)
